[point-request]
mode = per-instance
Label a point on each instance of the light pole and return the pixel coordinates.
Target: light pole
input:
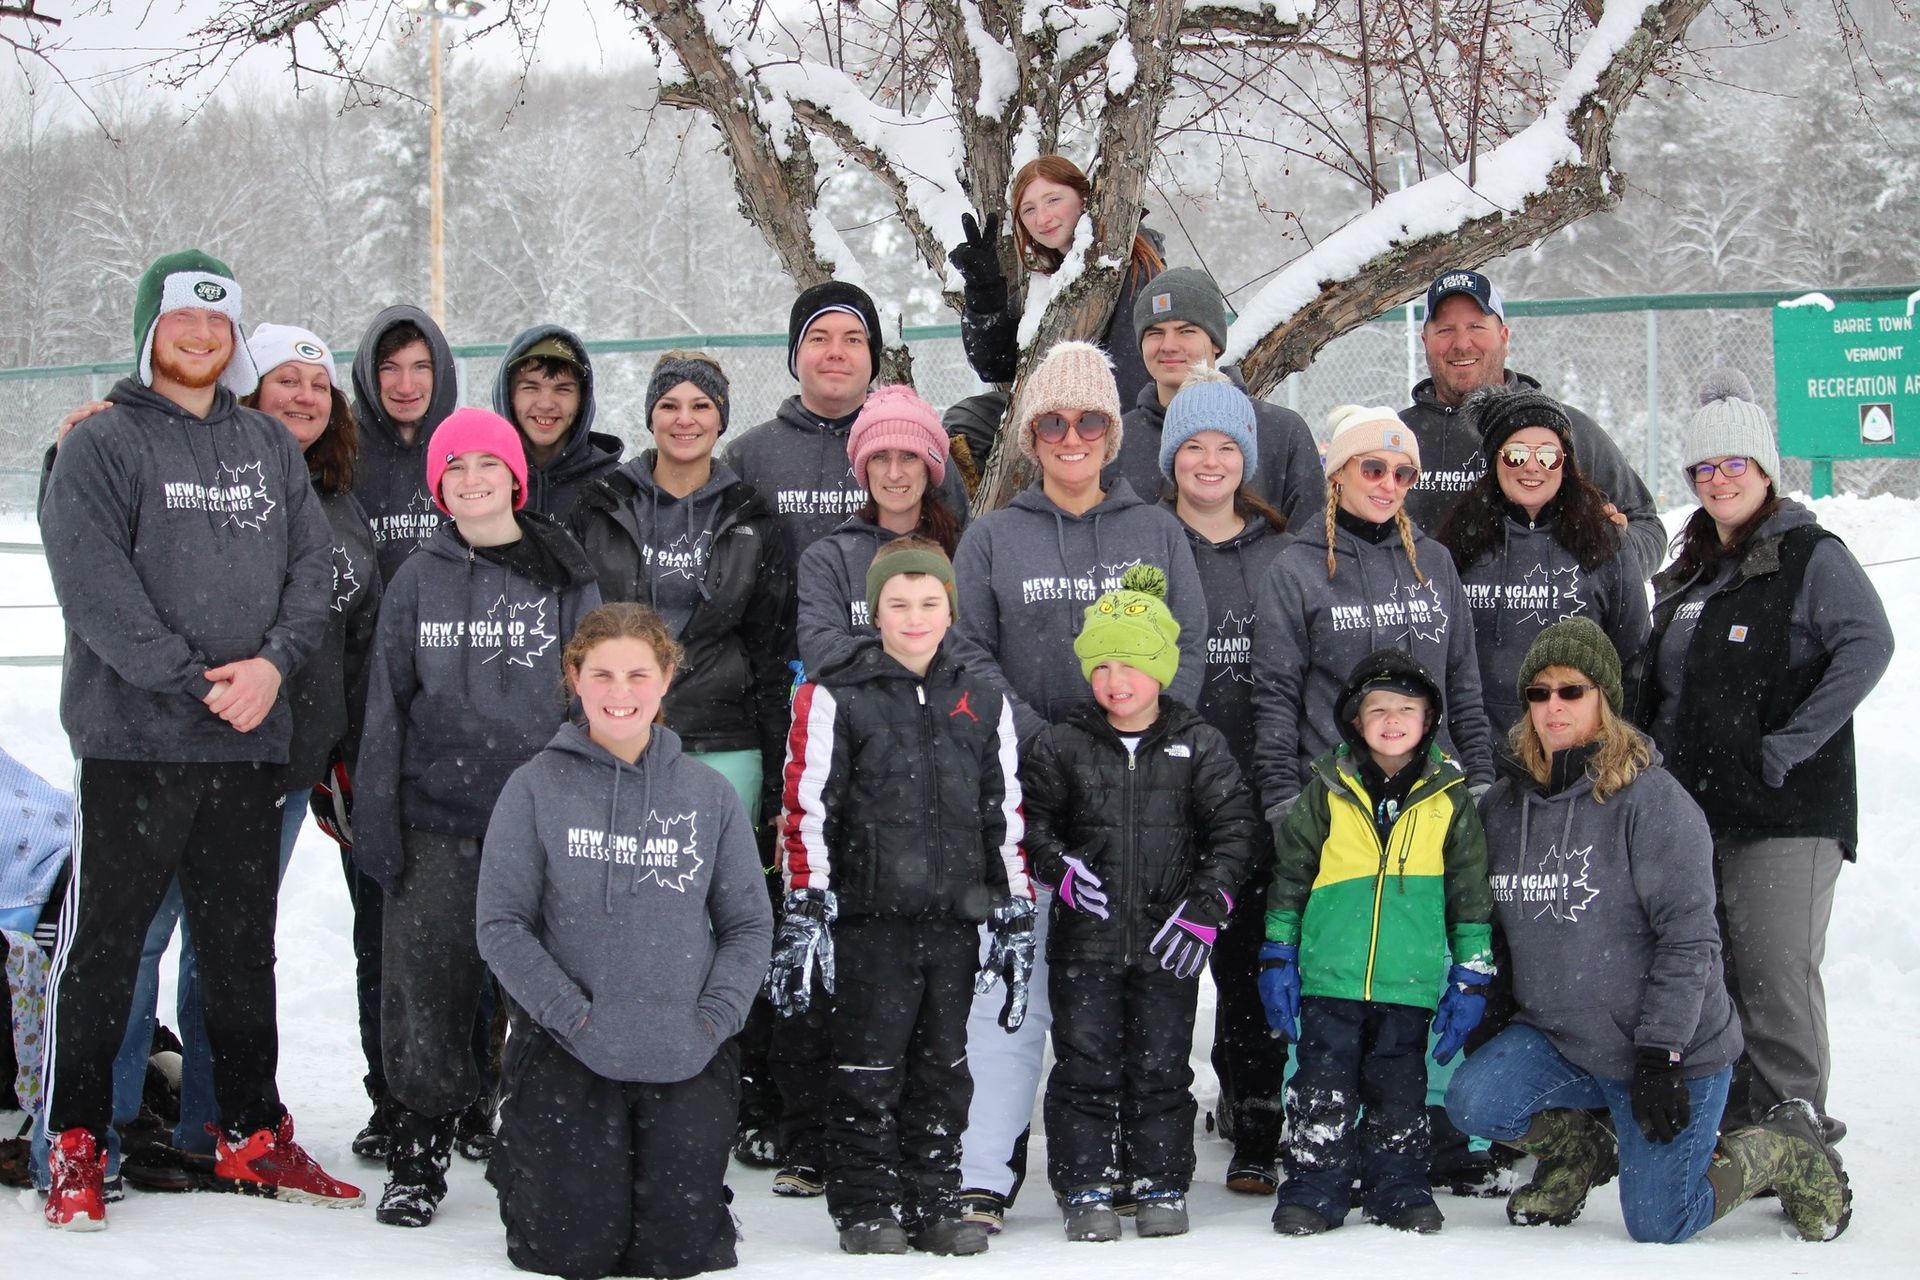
(435, 11)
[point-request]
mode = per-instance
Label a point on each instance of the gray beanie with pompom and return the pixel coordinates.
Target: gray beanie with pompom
(1728, 424)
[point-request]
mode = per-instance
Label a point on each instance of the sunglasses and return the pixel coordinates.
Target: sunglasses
(1052, 427)
(1564, 692)
(1374, 470)
(1728, 467)
(1547, 455)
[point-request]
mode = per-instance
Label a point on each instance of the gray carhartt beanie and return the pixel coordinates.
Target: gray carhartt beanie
(1182, 293)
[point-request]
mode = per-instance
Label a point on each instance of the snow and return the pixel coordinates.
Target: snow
(999, 71)
(1873, 985)
(1819, 300)
(1122, 68)
(1505, 178)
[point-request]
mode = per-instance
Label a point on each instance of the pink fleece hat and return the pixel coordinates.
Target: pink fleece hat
(895, 418)
(476, 431)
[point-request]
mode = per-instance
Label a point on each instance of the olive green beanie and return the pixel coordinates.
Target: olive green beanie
(1578, 643)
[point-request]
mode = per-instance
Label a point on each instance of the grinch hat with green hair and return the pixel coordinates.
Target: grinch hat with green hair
(1132, 625)
(180, 281)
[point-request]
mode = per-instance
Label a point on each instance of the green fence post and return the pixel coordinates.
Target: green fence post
(1823, 477)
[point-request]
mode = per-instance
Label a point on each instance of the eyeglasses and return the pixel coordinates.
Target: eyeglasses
(1052, 427)
(1564, 692)
(1374, 470)
(1728, 467)
(1547, 455)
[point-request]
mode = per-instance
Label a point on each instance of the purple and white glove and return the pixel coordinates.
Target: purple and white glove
(1186, 939)
(1080, 889)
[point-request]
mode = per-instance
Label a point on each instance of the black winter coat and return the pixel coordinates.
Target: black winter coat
(901, 793)
(730, 693)
(1174, 819)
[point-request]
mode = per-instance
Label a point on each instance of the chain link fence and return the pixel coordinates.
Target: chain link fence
(1634, 364)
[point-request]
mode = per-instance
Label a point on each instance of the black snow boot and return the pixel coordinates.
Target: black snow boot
(417, 1162)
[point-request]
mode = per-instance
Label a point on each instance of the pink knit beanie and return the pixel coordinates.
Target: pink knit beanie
(476, 431)
(896, 418)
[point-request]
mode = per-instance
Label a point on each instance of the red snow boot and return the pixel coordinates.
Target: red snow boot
(270, 1163)
(77, 1171)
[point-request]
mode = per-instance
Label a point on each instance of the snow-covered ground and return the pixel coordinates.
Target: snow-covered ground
(1873, 983)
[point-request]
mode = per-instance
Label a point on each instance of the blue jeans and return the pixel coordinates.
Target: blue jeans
(197, 1106)
(1664, 1193)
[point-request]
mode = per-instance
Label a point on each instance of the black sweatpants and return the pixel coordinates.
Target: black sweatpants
(800, 1058)
(1249, 1060)
(1121, 1081)
(601, 1177)
(363, 891)
(898, 1094)
(138, 824)
(1358, 1056)
(433, 983)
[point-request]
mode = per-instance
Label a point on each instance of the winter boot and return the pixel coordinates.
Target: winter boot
(758, 1147)
(1789, 1152)
(270, 1163)
(416, 1169)
(148, 1158)
(880, 1235)
(988, 1208)
(1423, 1217)
(1299, 1220)
(473, 1130)
(375, 1138)
(76, 1170)
(1090, 1215)
(1160, 1213)
(955, 1237)
(1251, 1176)
(1576, 1154)
(799, 1182)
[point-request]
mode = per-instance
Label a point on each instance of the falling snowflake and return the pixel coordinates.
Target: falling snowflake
(1420, 605)
(243, 493)
(1564, 891)
(672, 857)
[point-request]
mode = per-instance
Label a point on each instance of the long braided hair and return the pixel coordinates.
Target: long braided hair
(1399, 519)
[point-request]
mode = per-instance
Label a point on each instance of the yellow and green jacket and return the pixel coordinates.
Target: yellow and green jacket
(1381, 921)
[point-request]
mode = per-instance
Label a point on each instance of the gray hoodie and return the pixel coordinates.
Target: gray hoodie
(1311, 632)
(585, 455)
(1289, 478)
(390, 476)
(623, 906)
(1025, 575)
(466, 685)
(1230, 574)
(833, 621)
(176, 544)
(798, 462)
(1529, 584)
(1608, 911)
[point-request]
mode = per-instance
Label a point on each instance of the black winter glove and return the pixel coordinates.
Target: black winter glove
(977, 259)
(1661, 1105)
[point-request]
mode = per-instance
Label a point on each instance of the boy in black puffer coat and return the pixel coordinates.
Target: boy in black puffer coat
(1139, 818)
(901, 833)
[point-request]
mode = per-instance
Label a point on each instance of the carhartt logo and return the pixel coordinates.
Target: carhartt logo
(308, 351)
(1738, 634)
(1162, 302)
(964, 708)
(1393, 438)
(208, 291)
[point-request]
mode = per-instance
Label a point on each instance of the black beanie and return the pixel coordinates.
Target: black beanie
(834, 295)
(1501, 410)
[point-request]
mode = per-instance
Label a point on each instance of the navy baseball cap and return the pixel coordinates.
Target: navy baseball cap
(1471, 283)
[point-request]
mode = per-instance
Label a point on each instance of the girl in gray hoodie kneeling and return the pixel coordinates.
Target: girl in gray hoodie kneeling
(621, 905)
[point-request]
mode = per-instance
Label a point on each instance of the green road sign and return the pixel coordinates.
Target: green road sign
(1847, 377)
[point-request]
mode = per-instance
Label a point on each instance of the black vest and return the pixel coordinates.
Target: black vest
(1737, 687)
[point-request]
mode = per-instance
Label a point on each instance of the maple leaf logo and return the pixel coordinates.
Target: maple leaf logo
(672, 857)
(244, 494)
(1231, 658)
(686, 557)
(1564, 891)
(1557, 592)
(1420, 604)
(527, 631)
(1107, 576)
(422, 504)
(346, 585)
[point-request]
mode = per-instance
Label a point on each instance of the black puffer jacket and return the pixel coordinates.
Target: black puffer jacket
(730, 693)
(901, 793)
(1173, 819)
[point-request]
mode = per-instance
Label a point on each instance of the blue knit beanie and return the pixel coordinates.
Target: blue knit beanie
(1208, 401)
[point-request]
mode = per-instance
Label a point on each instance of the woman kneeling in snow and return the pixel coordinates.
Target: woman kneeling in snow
(621, 905)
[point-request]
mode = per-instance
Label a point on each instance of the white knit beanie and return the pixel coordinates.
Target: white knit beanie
(1358, 429)
(273, 345)
(1728, 424)
(1073, 376)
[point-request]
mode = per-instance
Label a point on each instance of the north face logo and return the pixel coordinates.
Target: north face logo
(208, 291)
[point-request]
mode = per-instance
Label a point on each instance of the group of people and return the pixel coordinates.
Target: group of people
(777, 809)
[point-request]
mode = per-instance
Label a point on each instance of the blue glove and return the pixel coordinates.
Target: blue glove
(1280, 987)
(1010, 945)
(1186, 939)
(800, 947)
(1462, 1005)
(1080, 889)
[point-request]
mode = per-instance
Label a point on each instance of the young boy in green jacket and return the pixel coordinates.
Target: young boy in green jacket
(1380, 874)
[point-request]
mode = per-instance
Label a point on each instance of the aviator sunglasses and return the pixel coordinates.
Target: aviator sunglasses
(1052, 427)
(1372, 470)
(1565, 692)
(1548, 456)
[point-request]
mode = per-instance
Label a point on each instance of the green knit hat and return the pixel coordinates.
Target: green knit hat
(1134, 625)
(1578, 643)
(186, 279)
(929, 560)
